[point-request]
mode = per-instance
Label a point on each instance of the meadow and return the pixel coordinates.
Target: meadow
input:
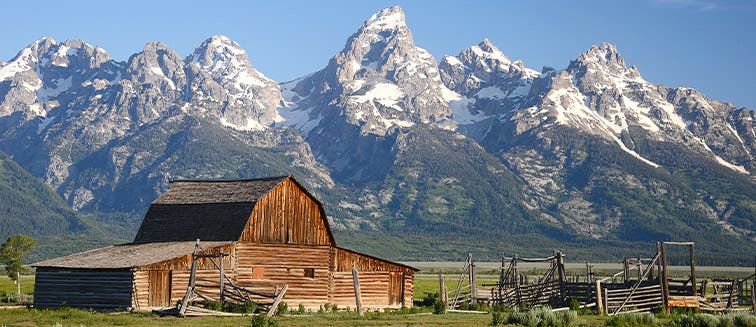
(425, 283)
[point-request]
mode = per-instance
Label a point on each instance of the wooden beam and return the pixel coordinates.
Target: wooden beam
(677, 243)
(279, 297)
(221, 282)
(442, 288)
(599, 301)
(693, 269)
(357, 294)
(665, 281)
(473, 283)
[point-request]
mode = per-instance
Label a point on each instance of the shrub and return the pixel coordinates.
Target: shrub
(632, 319)
(439, 307)
(282, 308)
(741, 319)
(212, 305)
(497, 318)
(263, 321)
(543, 317)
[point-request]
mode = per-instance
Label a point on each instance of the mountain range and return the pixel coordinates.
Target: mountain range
(413, 158)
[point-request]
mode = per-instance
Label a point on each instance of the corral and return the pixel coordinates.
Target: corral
(259, 240)
(643, 285)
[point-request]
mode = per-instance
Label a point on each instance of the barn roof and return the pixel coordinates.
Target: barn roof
(126, 255)
(211, 210)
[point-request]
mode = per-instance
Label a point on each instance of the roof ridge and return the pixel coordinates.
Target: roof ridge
(225, 180)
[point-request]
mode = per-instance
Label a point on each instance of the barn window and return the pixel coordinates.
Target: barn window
(258, 272)
(309, 272)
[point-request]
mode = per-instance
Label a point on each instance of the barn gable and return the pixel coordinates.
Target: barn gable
(288, 214)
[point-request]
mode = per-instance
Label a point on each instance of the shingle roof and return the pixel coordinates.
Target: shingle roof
(218, 191)
(211, 210)
(126, 255)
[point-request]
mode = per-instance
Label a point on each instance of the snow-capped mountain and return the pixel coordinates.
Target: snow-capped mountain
(43, 71)
(486, 82)
(118, 122)
(223, 79)
(392, 142)
(379, 81)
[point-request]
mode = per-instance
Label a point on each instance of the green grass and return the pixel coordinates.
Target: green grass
(7, 286)
(425, 284)
(73, 317)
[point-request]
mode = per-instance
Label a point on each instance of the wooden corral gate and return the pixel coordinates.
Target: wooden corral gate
(548, 289)
(465, 291)
(224, 289)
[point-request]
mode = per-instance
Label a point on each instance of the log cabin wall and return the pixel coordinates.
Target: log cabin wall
(287, 215)
(177, 272)
(83, 288)
(382, 284)
(304, 268)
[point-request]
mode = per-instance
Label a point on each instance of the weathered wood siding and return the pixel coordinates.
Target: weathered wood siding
(278, 264)
(346, 260)
(179, 269)
(83, 288)
(286, 215)
(381, 282)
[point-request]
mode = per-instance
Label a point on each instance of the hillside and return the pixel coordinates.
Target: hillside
(28, 206)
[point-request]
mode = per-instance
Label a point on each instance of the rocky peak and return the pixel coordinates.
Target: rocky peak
(159, 65)
(486, 56)
(381, 79)
(388, 19)
(487, 81)
(45, 70)
(222, 78)
(217, 54)
(605, 62)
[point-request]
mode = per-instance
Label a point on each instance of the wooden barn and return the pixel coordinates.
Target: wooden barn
(267, 232)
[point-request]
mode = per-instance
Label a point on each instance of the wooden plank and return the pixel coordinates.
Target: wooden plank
(357, 293)
(683, 301)
(279, 297)
(599, 302)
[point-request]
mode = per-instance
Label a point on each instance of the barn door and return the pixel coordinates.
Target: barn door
(160, 288)
(396, 280)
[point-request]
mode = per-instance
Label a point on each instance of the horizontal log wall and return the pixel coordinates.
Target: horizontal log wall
(81, 288)
(180, 269)
(374, 288)
(279, 264)
(287, 215)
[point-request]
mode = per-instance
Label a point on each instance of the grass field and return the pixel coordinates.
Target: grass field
(7, 286)
(424, 283)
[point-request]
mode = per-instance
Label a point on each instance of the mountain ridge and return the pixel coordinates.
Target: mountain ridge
(392, 141)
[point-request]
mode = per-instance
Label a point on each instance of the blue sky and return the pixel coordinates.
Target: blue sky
(705, 44)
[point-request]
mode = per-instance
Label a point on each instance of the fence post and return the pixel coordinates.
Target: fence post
(693, 269)
(599, 301)
(357, 294)
(473, 282)
(664, 280)
(442, 288)
(222, 275)
(562, 275)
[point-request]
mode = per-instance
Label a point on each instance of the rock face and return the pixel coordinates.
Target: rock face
(378, 85)
(394, 144)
